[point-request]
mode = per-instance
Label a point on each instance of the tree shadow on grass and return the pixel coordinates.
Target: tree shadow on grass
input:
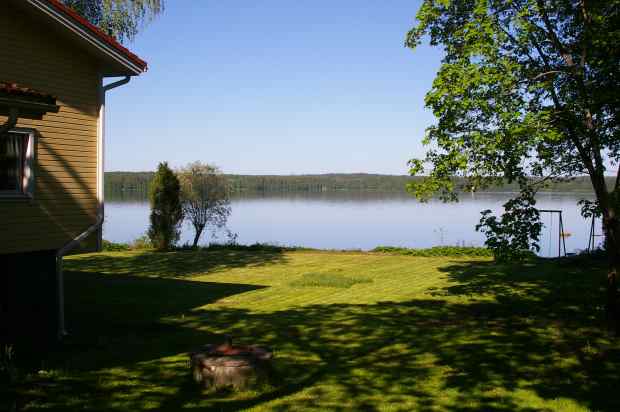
(567, 289)
(531, 334)
(115, 322)
(131, 318)
(494, 339)
(176, 263)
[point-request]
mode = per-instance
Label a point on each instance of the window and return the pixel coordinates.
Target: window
(16, 164)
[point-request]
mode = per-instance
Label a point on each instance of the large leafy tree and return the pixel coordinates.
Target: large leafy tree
(205, 197)
(118, 18)
(527, 88)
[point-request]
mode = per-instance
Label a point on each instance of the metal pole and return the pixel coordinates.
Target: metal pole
(591, 237)
(593, 232)
(563, 237)
(560, 236)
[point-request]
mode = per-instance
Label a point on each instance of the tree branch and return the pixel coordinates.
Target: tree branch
(546, 74)
(571, 133)
(568, 58)
(513, 39)
(543, 180)
(579, 79)
(547, 64)
(586, 30)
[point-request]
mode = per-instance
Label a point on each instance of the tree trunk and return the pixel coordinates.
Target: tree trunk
(612, 238)
(197, 235)
(611, 228)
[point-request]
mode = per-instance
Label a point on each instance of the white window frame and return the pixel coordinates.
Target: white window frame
(27, 191)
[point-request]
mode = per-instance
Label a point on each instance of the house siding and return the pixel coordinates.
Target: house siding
(65, 194)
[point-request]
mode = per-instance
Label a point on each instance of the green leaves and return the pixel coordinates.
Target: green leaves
(121, 19)
(166, 212)
(205, 197)
(528, 91)
(515, 235)
(505, 95)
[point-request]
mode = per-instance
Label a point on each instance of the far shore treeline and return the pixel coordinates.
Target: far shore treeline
(136, 184)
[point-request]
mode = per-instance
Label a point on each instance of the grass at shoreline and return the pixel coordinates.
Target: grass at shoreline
(351, 331)
(437, 251)
(467, 251)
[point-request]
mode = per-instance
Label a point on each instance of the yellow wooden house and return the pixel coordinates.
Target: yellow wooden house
(54, 67)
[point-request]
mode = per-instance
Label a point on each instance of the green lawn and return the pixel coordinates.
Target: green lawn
(351, 331)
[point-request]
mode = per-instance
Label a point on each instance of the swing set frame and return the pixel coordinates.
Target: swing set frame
(593, 236)
(561, 234)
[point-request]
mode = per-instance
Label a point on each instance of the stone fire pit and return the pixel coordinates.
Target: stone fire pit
(230, 365)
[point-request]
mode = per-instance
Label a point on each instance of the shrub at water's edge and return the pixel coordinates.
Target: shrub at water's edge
(436, 251)
(142, 243)
(166, 211)
(254, 247)
(109, 246)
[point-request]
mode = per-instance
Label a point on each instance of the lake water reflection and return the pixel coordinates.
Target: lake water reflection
(358, 220)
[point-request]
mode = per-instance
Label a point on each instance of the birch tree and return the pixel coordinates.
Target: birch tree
(205, 197)
(121, 19)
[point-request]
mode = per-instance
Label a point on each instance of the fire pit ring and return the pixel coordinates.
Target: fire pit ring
(226, 364)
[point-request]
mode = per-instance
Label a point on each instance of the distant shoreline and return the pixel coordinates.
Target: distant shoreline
(137, 183)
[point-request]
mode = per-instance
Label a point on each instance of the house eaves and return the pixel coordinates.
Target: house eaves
(99, 43)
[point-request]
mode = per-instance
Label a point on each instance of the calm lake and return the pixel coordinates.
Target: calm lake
(358, 220)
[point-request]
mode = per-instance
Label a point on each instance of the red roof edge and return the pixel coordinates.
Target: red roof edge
(15, 89)
(109, 40)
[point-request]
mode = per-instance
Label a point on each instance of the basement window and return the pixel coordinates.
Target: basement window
(16, 164)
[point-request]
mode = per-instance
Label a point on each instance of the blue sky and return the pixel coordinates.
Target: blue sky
(275, 87)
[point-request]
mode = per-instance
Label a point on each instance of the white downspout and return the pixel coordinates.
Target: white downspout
(73, 243)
